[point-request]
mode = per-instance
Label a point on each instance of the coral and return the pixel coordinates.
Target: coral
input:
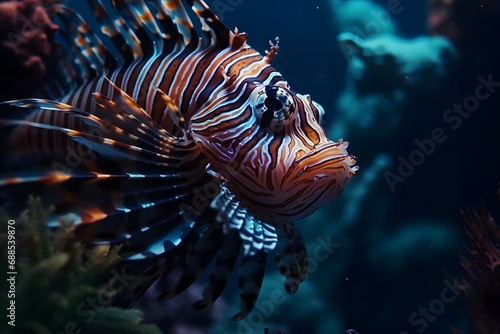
(384, 75)
(26, 40)
(441, 19)
(387, 75)
(362, 17)
(462, 20)
(58, 282)
(481, 286)
(395, 87)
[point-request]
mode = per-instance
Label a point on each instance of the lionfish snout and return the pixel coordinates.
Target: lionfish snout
(325, 159)
(315, 178)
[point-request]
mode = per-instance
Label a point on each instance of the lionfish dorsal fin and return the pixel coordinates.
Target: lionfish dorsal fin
(138, 30)
(87, 52)
(238, 38)
(88, 49)
(140, 21)
(215, 31)
(123, 38)
(273, 50)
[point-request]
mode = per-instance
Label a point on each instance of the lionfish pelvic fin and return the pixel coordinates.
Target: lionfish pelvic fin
(255, 234)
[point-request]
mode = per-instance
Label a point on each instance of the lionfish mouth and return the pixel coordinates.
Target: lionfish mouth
(324, 159)
(325, 149)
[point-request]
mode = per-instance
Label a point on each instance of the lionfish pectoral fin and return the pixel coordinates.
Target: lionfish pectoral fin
(157, 260)
(116, 168)
(197, 260)
(224, 263)
(292, 259)
(174, 251)
(143, 276)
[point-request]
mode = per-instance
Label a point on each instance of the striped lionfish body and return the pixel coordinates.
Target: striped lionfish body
(184, 149)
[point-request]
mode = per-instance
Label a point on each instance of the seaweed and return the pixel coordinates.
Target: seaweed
(59, 285)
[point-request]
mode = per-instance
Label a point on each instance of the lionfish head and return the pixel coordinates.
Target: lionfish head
(269, 145)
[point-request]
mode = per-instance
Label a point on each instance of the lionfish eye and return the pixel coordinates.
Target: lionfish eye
(275, 105)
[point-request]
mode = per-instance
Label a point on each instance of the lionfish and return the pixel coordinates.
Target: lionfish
(187, 150)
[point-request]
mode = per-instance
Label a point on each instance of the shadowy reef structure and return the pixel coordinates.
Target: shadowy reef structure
(26, 41)
(481, 284)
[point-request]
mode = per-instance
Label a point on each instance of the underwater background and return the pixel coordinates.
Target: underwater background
(414, 86)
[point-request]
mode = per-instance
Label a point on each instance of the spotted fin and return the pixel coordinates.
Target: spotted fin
(292, 259)
(198, 258)
(225, 261)
(150, 269)
(250, 276)
(80, 58)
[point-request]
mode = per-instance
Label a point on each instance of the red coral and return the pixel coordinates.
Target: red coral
(26, 39)
(441, 19)
(482, 284)
(462, 20)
